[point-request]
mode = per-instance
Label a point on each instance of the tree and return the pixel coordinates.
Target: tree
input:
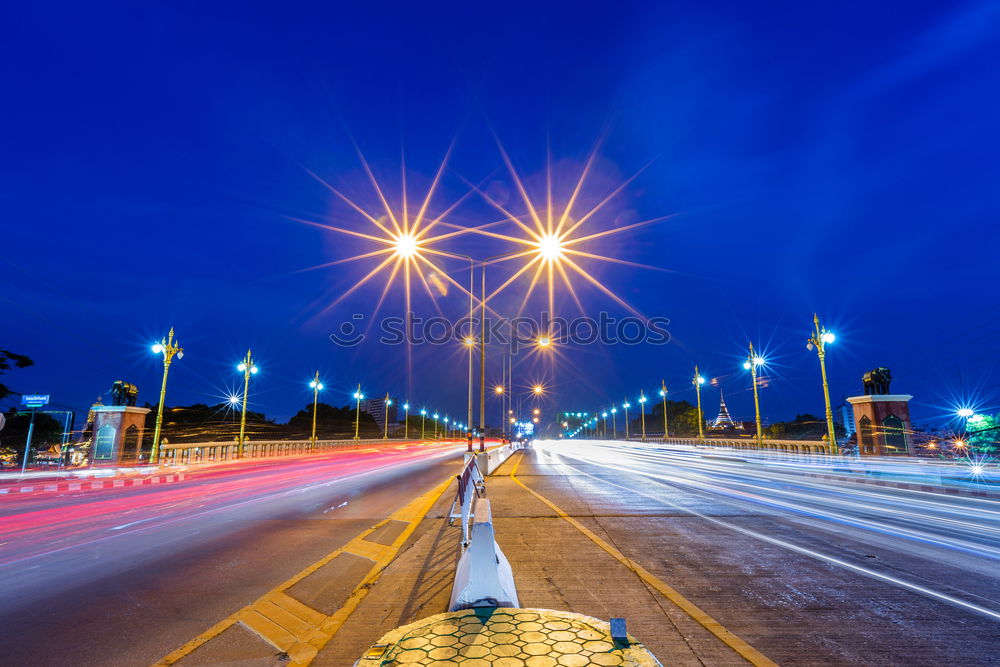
(983, 434)
(330, 420)
(682, 418)
(10, 360)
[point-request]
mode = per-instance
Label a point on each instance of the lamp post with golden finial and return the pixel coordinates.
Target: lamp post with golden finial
(248, 368)
(168, 348)
(317, 386)
(818, 341)
(754, 361)
(697, 382)
(663, 395)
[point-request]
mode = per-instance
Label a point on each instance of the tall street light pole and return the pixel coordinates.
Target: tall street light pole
(423, 419)
(663, 395)
(614, 424)
(317, 386)
(818, 341)
(406, 421)
(626, 405)
(357, 413)
(642, 413)
(753, 361)
(385, 420)
(168, 348)
(499, 391)
(605, 415)
(248, 368)
(697, 382)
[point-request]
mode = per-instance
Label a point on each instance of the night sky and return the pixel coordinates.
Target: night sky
(838, 158)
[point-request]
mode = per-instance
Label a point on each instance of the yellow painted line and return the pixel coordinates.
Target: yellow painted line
(298, 629)
(745, 650)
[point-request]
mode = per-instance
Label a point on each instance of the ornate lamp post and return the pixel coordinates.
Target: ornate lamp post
(697, 382)
(663, 395)
(423, 418)
(168, 348)
(357, 413)
(754, 361)
(406, 420)
(436, 416)
(614, 424)
(626, 405)
(605, 415)
(317, 386)
(248, 368)
(818, 341)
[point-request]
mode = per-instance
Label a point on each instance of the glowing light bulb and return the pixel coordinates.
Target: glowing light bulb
(550, 247)
(828, 337)
(406, 246)
(157, 348)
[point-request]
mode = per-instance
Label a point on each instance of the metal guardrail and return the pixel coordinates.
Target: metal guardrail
(791, 446)
(471, 486)
(200, 452)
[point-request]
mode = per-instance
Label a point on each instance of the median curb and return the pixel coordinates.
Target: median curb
(118, 483)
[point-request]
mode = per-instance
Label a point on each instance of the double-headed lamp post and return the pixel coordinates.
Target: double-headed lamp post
(358, 396)
(642, 413)
(626, 405)
(818, 341)
(423, 420)
(248, 368)
(604, 414)
(754, 361)
(436, 416)
(168, 348)
(614, 424)
(317, 387)
(406, 420)
(663, 395)
(697, 382)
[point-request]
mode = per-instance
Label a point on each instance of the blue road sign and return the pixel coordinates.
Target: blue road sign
(35, 400)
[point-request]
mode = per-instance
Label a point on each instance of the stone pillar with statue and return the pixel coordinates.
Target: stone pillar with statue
(118, 428)
(882, 419)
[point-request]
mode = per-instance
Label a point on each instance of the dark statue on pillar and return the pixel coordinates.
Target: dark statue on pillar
(876, 382)
(123, 393)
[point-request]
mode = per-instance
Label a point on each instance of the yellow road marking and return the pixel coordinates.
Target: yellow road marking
(745, 650)
(297, 629)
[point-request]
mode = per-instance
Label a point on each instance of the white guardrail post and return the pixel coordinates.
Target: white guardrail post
(483, 577)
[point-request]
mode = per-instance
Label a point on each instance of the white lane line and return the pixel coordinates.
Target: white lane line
(132, 523)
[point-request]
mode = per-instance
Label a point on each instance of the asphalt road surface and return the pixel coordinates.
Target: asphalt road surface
(807, 570)
(124, 576)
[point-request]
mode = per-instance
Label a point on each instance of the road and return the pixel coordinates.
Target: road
(807, 570)
(123, 576)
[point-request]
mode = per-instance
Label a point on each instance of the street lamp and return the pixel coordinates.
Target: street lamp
(423, 417)
(966, 413)
(168, 348)
(642, 413)
(436, 416)
(697, 382)
(663, 395)
(406, 421)
(626, 405)
(605, 415)
(317, 386)
(614, 424)
(818, 341)
(357, 412)
(248, 368)
(388, 402)
(498, 390)
(751, 364)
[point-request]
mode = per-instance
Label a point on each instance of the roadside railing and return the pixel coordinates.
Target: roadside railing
(201, 452)
(790, 446)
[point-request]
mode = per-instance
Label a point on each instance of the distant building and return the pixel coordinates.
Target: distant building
(724, 421)
(376, 408)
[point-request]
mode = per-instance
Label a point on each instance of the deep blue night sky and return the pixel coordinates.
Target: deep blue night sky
(839, 158)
